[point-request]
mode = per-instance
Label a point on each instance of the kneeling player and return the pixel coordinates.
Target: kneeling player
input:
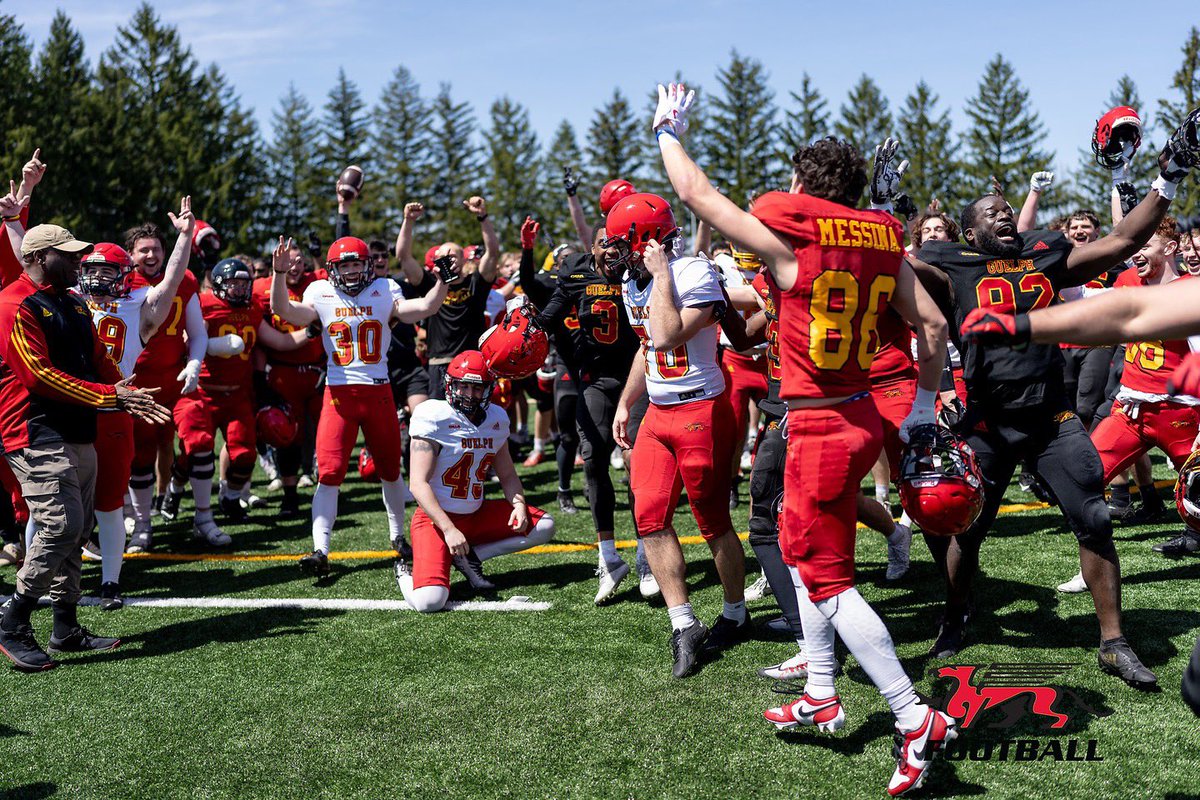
(455, 443)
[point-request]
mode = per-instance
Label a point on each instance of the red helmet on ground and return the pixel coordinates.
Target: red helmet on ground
(1117, 135)
(113, 279)
(1187, 491)
(941, 486)
(516, 346)
(366, 466)
(206, 242)
(469, 368)
(612, 193)
(634, 221)
(342, 254)
(275, 426)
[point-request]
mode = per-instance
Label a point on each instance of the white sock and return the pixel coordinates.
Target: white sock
(905, 519)
(324, 514)
(539, 445)
(393, 503)
(203, 515)
(870, 643)
(735, 611)
(608, 551)
(201, 493)
(111, 525)
(244, 494)
(681, 616)
(538, 534)
(142, 496)
(818, 643)
(881, 494)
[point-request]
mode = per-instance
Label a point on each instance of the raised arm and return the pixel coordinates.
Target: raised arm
(282, 305)
(1038, 183)
(491, 243)
(404, 243)
(419, 308)
(582, 229)
(539, 294)
(11, 206)
(161, 296)
(672, 326)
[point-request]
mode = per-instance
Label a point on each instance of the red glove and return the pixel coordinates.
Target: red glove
(1186, 379)
(529, 232)
(991, 326)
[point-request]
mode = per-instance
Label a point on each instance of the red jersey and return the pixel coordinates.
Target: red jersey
(764, 284)
(313, 352)
(223, 319)
(11, 265)
(847, 260)
(893, 358)
(1148, 365)
(167, 350)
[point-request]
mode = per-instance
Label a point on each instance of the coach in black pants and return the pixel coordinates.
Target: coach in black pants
(54, 375)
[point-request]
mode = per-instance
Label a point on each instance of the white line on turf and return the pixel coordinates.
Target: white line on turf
(518, 603)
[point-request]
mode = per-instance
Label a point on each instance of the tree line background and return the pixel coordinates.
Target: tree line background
(127, 135)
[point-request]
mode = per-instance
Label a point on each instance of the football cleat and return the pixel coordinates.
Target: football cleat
(156, 505)
(610, 579)
(141, 540)
(794, 668)
(110, 597)
(471, 566)
(950, 636)
(232, 509)
(898, 546)
(91, 551)
(725, 633)
(22, 648)
(1185, 544)
(315, 563)
(402, 571)
(759, 589)
(1120, 512)
(250, 500)
(170, 503)
(534, 458)
(685, 648)
(647, 583)
(824, 715)
(206, 530)
(566, 503)
(1074, 586)
(304, 482)
(402, 547)
(915, 751)
(81, 640)
(1117, 658)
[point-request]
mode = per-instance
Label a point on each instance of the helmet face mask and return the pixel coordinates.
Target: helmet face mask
(232, 281)
(941, 486)
(469, 384)
(1116, 137)
(351, 276)
(106, 271)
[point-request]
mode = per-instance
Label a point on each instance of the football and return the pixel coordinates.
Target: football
(350, 182)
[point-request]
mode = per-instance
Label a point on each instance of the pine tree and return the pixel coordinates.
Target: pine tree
(298, 193)
(512, 168)
(807, 121)
(345, 127)
(615, 142)
(16, 55)
(1006, 135)
(400, 143)
(1186, 82)
(552, 206)
(454, 171)
(741, 157)
(865, 121)
(925, 140)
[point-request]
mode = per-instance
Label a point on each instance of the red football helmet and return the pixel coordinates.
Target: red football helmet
(1117, 135)
(469, 368)
(517, 346)
(206, 242)
(366, 466)
(342, 254)
(1187, 491)
(275, 426)
(632, 223)
(941, 486)
(430, 255)
(105, 271)
(612, 193)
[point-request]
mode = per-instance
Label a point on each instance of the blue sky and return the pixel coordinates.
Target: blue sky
(562, 59)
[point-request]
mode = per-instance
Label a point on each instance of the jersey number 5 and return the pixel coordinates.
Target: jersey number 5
(457, 478)
(836, 301)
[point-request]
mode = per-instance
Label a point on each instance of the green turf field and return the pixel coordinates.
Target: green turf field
(571, 702)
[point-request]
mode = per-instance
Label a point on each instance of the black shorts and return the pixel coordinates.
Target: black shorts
(437, 380)
(409, 382)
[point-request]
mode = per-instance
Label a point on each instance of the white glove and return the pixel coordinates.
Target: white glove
(226, 346)
(885, 179)
(517, 301)
(189, 376)
(1041, 181)
(922, 413)
(674, 101)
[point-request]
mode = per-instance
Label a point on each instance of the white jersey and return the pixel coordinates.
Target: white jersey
(118, 324)
(466, 455)
(355, 329)
(690, 371)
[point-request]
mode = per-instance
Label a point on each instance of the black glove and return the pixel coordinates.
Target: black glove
(1182, 150)
(570, 182)
(313, 331)
(314, 245)
(1128, 196)
(903, 204)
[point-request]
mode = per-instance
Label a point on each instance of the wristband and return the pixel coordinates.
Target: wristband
(666, 133)
(15, 218)
(481, 219)
(1164, 187)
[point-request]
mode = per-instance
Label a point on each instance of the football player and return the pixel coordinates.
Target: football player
(687, 436)
(125, 319)
(610, 193)
(222, 402)
(170, 363)
(1016, 400)
(456, 444)
(837, 270)
(354, 310)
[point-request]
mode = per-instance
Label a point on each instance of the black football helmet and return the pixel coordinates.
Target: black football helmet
(232, 281)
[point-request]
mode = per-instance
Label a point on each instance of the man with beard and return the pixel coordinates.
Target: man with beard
(1016, 403)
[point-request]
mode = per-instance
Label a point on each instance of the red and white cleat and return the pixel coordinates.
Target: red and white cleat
(916, 750)
(825, 715)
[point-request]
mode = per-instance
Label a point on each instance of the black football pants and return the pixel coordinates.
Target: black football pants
(766, 501)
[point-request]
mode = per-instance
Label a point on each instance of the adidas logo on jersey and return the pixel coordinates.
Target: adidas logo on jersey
(1040, 246)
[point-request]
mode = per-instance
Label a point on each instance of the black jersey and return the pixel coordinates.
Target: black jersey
(459, 322)
(998, 376)
(603, 342)
(539, 286)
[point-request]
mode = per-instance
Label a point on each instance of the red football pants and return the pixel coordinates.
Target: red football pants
(1120, 440)
(346, 409)
(199, 415)
(114, 458)
(746, 378)
(893, 400)
(431, 557)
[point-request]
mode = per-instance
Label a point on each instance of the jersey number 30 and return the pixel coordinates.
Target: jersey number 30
(369, 342)
(837, 299)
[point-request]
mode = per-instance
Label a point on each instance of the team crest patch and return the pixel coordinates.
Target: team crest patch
(893, 393)
(1180, 424)
(695, 427)
(1040, 246)
(1063, 416)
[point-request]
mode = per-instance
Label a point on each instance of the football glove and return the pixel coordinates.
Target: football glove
(1186, 378)
(674, 101)
(189, 376)
(570, 181)
(529, 233)
(987, 326)
(905, 205)
(923, 413)
(1127, 194)
(1182, 150)
(885, 179)
(1041, 181)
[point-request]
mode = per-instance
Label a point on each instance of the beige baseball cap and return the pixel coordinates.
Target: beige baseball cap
(40, 237)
